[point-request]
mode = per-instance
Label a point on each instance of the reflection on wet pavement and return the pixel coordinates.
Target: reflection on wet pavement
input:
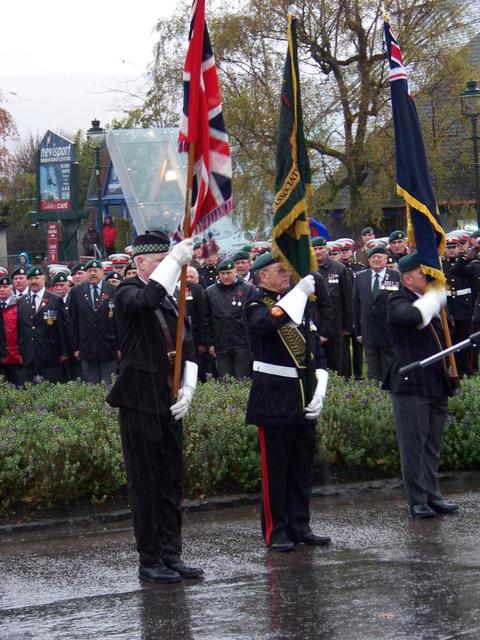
(385, 577)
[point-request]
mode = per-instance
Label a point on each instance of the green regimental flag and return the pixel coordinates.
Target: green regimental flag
(291, 233)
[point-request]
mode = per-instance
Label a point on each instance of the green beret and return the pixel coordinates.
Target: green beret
(113, 275)
(19, 271)
(366, 230)
(475, 234)
(77, 267)
(409, 263)
(396, 235)
(35, 271)
(197, 245)
(247, 248)
(319, 241)
(378, 249)
(263, 260)
(5, 279)
(60, 277)
(241, 255)
(93, 264)
(226, 265)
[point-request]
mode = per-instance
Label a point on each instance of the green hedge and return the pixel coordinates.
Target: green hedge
(59, 443)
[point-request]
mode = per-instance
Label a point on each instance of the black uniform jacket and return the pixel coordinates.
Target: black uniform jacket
(196, 304)
(339, 285)
(93, 332)
(42, 336)
(462, 280)
(143, 380)
(275, 400)
(411, 344)
(370, 317)
(225, 306)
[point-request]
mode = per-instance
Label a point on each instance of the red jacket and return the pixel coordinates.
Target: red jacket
(109, 235)
(12, 355)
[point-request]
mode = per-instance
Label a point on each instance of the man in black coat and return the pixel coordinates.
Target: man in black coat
(150, 418)
(371, 291)
(92, 324)
(42, 330)
(283, 403)
(339, 286)
(420, 399)
(226, 300)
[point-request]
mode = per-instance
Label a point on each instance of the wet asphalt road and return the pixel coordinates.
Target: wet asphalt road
(385, 577)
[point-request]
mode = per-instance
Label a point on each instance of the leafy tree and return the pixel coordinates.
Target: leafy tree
(345, 90)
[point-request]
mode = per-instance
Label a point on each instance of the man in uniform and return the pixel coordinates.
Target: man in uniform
(113, 278)
(93, 328)
(371, 291)
(20, 283)
(225, 304)
(78, 273)
(150, 418)
(208, 271)
(336, 278)
(397, 243)
(119, 262)
(420, 399)
(42, 330)
(243, 265)
(283, 403)
(460, 301)
(361, 255)
(353, 360)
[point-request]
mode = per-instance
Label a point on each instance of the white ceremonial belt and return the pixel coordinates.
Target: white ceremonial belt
(459, 292)
(275, 369)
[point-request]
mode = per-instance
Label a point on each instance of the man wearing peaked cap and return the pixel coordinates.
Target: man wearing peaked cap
(42, 330)
(93, 327)
(283, 403)
(419, 399)
(150, 417)
(226, 301)
(119, 262)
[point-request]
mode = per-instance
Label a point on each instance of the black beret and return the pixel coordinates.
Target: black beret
(151, 242)
(35, 271)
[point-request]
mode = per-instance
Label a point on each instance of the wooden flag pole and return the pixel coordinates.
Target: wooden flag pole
(183, 274)
(448, 342)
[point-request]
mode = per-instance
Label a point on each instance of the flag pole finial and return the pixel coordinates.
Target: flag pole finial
(385, 14)
(293, 11)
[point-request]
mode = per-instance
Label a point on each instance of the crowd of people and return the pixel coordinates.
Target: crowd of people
(116, 321)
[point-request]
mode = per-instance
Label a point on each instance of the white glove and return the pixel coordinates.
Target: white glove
(429, 304)
(314, 409)
(294, 302)
(186, 391)
(183, 251)
(168, 270)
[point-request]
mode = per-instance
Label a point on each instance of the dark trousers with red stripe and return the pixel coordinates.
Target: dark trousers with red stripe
(286, 455)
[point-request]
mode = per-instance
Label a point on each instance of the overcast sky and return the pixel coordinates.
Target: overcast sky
(58, 58)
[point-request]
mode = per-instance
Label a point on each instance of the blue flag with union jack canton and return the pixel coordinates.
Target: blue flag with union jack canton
(414, 183)
(202, 124)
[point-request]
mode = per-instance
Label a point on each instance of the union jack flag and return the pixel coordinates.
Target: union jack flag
(202, 124)
(414, 182)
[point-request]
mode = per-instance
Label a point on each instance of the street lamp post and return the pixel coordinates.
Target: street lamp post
(96, 141)
(470, 99)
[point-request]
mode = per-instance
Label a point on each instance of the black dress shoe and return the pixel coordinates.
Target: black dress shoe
(421, 511)
(184, 570)
(282, 545)
(158, 574)
(315, 540)
(442, 506)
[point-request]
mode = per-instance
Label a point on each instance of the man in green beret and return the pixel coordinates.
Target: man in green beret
(79, 274)
(397, 243)
(361, 255)
(243, 265)
(371, 291)
(226, 300)
(419, 399)
(42, 330)
(93, 327)
(20, 282)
